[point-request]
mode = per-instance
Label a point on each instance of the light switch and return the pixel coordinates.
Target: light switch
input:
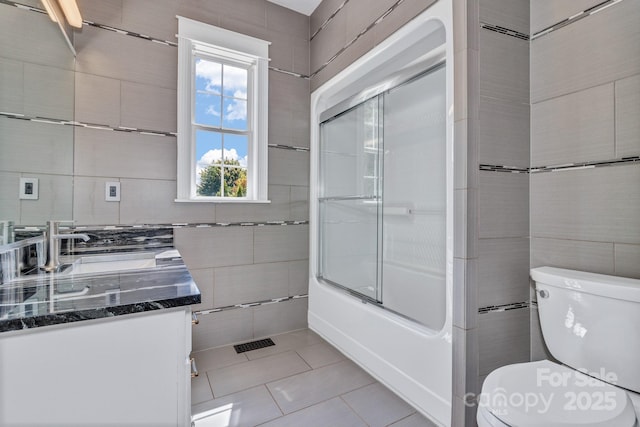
(29, 188)
(112, 192)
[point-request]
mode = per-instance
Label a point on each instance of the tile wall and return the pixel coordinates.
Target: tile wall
(503, 184)
(585, 104)
(125, 77)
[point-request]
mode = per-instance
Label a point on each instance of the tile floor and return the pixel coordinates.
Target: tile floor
(300, 382)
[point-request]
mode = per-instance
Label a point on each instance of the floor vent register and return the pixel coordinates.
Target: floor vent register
(253, 345)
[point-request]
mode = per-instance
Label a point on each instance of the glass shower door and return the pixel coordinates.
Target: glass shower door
(349, 202)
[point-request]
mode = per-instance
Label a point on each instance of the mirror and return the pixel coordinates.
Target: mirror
(36, 100)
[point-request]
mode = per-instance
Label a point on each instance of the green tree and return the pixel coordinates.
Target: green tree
(235, 180)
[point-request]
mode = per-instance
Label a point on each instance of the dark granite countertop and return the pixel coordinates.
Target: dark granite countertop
(49, 299)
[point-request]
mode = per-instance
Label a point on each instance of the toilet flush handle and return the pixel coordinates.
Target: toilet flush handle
(543, 293)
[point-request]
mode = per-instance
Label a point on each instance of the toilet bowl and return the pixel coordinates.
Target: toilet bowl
(589, 322)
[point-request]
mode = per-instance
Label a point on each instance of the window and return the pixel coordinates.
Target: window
(222, 115)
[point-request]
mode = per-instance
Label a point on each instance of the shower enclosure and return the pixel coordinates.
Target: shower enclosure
(381, 254)
(382, 198)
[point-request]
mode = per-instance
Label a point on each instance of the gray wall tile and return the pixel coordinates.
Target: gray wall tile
(277, 210)
(504, 67)
(292, 23)
(545, 13)
(595, 257)
(465, 293)
(215, 246)
(288, 167)
(510, 14)
(322, 12)
(152, 18)
(11, 86)
(204, 279)
(97, 100)
(597, 204)
(101, 153)
(361, 14)
(627, 260)
(223, 328)
(55, 200)
(503, 131)
(110, 54)
(465, 361)
(503, 339)
(503, 271)
(107, 12)
(298, 277)
(20, 139)
(149, 201)
(503, 205)
(41, 44)
(48, 92)
(627, 113)
(281, 243)
(465, 217)
(275, 318)
(299, 198)
(9, 203)
(578, 127)
(148, 107)
(539, 350)
(89, 206)
(329, 41)
(250, 283)
(564, 60)
(405, 12)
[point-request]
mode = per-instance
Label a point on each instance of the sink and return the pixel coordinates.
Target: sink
(114, 263)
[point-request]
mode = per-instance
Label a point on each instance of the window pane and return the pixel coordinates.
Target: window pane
(208, 76)
(207, 111)
(235, 114)
(208, 154)
(235, 182)
(235, 82)
(236, 149)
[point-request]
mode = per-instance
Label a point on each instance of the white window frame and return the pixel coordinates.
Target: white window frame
(200, 39)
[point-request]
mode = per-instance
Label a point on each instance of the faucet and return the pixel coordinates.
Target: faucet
(52, 247)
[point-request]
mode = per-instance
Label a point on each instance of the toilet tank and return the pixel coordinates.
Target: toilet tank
(591, 322)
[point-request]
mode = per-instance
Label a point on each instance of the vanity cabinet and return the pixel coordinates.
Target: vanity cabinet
(120, 371)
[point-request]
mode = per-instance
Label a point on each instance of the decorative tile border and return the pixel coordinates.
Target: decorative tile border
(503, 307)
(36, 119)
(329, 19)
(578, 16)
(363, 32)
(250, 304)
(564, 167)
(133, 34)
(505, 31)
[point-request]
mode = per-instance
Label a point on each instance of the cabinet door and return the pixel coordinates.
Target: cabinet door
(123, 371)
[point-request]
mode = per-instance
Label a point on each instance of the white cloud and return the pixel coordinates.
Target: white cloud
(212, 156)
(235, 79)
(212, 111)
(236, 110)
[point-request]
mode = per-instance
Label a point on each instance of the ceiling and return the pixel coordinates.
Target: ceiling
(303, 6)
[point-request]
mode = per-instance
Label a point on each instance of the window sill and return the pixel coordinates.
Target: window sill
(223, 201)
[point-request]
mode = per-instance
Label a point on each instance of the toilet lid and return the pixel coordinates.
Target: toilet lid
(546, 394)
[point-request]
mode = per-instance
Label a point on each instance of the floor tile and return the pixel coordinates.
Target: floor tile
(200, 389)
(246, 408)
(333, 413)
(377, 405)
(249, 374)
(415, 420)
(306, 389)
(321, 354)
(216, 358)
(286, 342)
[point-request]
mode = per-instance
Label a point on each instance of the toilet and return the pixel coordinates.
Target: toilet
(591, 325)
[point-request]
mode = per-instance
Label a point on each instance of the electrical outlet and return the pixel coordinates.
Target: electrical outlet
(29, 188)
(112, 192)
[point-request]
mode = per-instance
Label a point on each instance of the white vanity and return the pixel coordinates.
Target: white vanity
(98, 349)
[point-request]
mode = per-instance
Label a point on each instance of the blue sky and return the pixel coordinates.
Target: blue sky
(221, 93)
